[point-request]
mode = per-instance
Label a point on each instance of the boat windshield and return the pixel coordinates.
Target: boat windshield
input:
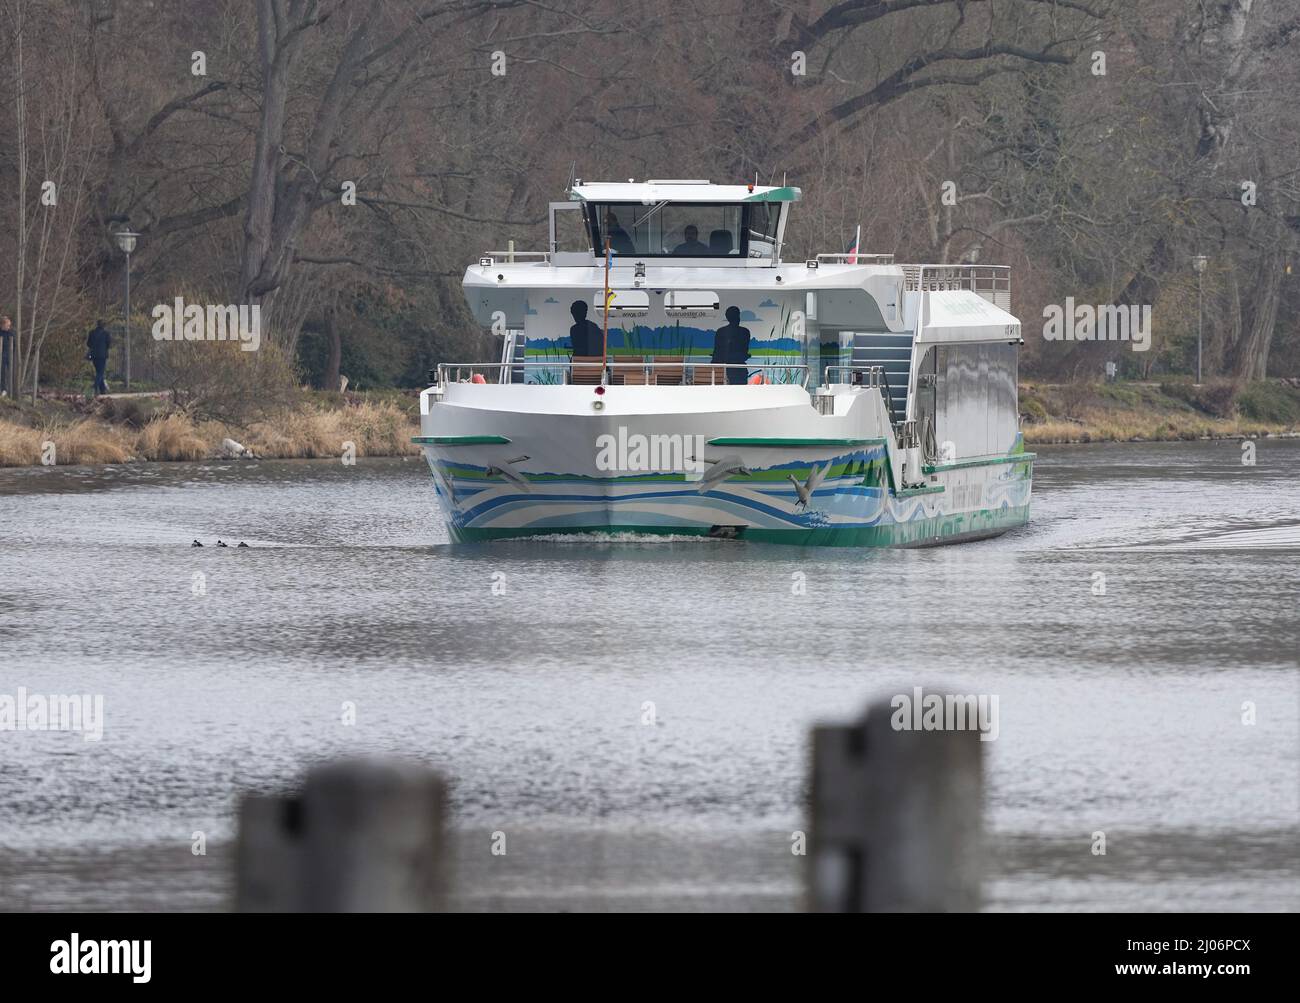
(685, 229)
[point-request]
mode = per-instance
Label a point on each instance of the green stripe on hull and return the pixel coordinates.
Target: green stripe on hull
(782, 443)
(460, 440)
(927, 532)
(982, 461)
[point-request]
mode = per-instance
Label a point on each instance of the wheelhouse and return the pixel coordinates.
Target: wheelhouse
(717, 225)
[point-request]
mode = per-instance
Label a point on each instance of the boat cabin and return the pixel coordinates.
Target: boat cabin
(717, 225)
(694, 291)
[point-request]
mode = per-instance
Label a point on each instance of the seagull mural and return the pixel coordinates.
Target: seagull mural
(720, 470)
(805, 490)
(506, 471)
(444, 482)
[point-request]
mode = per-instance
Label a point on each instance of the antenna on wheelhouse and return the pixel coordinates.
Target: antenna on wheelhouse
(573, 169)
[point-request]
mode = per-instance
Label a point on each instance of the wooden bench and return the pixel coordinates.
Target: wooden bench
(629, 370)
(586, 370)
(710, 376)
(669, 370)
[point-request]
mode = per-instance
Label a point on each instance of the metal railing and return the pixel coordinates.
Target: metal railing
(989, 281)
(613, 372)
(861, 259)
(872, 377)
(511, 257)
(858, 376)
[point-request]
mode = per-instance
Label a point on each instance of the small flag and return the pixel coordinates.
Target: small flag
(609, 263)
(851, 252)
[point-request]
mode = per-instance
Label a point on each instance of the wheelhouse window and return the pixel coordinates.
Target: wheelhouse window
(684, 229)
(760, 224)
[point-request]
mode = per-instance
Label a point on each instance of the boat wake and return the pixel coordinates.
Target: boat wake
(1274, 537)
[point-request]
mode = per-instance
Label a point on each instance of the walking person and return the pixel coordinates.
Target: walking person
(6, 341)
(98, 342)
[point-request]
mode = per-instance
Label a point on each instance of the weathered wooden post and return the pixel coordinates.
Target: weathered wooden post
(896, 814)
(362, 837)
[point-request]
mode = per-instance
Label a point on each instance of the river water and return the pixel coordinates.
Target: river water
(527, 671)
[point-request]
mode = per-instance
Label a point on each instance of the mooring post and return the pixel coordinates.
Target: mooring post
(361, 837)
(896, 817)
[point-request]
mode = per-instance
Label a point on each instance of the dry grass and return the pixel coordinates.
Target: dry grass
(1122, 425)
(91, 442)
(1128, 412)
(310, 433)
(383, 429)
(173, 437)
(19, 446)
(373, 429)
(81, 442)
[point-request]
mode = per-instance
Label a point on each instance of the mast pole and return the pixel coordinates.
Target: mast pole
(604, 333)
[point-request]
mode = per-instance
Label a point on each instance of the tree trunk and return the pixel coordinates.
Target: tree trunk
(1252, 352)
(278, 53)
(20, 110)
(335, 359)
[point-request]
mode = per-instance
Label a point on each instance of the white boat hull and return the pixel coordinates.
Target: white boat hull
(747, 462)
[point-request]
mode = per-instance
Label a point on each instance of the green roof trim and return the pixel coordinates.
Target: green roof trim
(460, 440)
(786, 194)
(781, 443)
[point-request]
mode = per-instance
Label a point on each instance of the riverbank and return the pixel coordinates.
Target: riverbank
(125, 429)
(1157, 412)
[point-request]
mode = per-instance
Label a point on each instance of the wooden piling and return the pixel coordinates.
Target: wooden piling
(896, 817)
(361, 837)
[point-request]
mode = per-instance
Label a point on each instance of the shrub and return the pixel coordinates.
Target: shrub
(1269, 401)
(1216, 398)
(1032, 410)
(128, 411)
(220, 381)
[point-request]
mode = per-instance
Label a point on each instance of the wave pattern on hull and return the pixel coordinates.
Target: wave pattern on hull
(851, 503)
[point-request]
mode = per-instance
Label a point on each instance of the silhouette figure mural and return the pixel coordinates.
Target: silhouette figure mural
(731, 346)
(584, 336)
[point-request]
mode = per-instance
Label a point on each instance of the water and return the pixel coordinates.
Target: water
(525, 670)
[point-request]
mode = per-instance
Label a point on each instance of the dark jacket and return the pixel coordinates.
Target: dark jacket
(98, 341)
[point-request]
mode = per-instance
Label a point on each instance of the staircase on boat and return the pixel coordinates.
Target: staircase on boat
(893, 353)
(512, 356)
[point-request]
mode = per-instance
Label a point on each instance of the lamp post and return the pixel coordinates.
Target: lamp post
(1199, 262)
(126, 243)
